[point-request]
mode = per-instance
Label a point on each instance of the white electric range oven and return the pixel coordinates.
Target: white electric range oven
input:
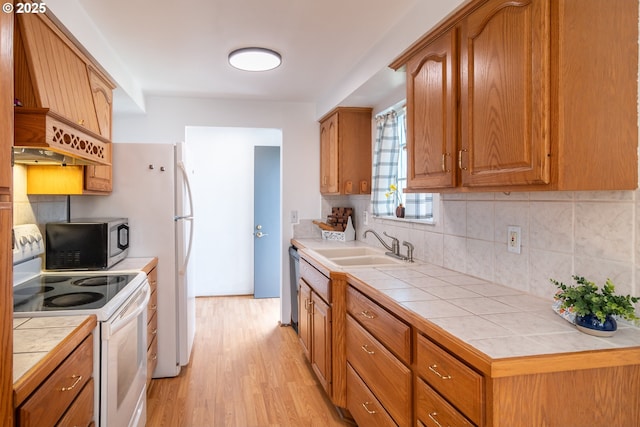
(119, 301)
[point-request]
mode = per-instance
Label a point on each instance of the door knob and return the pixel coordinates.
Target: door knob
(260, 234)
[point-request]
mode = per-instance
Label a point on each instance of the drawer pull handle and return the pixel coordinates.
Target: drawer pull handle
(366, 349)
(364, 405)
(367, 315)
(433, 368)
(433, 416)
(77, 378)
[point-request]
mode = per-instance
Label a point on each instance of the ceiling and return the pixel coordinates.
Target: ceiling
(332, 50)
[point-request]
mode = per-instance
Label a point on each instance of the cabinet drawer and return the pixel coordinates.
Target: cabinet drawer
(81, 411)
(363, 405)
(152, 329)
(392, 332)
(454, 380)
(384, 374)
(318, 281)
(53, 397)
(433, 411)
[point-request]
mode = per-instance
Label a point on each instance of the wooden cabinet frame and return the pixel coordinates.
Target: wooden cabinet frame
(546, 98)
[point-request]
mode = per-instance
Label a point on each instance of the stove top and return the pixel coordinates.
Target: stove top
(52, 292)
(38, 293)
(59, 294)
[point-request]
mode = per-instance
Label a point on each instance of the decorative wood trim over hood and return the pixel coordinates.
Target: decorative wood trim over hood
(63, 101)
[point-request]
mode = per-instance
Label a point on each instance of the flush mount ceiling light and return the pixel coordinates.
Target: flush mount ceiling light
(255, 59)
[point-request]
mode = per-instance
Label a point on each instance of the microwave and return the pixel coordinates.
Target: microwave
(86, 243)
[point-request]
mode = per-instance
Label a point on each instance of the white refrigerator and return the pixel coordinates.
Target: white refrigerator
(151, 189)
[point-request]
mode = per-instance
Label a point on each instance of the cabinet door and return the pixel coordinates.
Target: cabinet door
(329, 155)
(432, 114)
(98, 178)
(504, 60)
(102, 93)
(321, 336)
(59, 71)
(304, 319)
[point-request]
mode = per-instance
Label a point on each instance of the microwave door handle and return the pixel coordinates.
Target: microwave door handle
(121, 245)
(121, 322)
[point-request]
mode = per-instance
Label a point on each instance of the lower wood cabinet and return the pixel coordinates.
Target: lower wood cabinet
(65, 397)
(396, 368)
(451, 378)
(365, 408)
(152, 320)
(383, 373)
(314, 328)
(433, 411)
(314, 323)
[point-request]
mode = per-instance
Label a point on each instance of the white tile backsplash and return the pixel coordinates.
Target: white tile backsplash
(593, 234)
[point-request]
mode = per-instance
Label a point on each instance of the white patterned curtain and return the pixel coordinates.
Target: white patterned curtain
(385, 164)
(416, 205)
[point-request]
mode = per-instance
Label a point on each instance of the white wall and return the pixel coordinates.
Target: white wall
(223, 193)
(167, 117)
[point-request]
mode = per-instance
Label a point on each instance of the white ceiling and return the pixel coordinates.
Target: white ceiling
(332, 49)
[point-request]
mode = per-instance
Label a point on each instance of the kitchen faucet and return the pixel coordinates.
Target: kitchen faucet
(394, 249)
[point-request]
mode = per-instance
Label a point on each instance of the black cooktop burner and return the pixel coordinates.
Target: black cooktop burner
(54, 279)
(100, 281)
(32, 290)
(72, 300)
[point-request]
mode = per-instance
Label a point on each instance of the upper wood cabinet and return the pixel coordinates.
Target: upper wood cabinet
(345, 151)
(432, 88)
(525, 95)
(66, 100)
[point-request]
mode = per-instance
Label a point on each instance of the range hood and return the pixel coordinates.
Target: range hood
(41, 156)
(62, 107)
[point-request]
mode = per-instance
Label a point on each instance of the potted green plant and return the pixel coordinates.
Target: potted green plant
(595, 307)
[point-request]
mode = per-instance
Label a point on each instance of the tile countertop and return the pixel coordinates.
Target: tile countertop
(34, 338)
(499, 321)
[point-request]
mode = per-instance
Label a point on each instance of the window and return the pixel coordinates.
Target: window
(390, 171)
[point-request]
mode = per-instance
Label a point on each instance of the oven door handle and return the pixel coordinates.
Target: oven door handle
(132, 310)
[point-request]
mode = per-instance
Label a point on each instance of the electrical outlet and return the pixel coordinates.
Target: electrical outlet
(294, 217)
(365, 217)
(514, 241)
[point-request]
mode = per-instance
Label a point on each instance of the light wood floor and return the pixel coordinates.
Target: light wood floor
(245, 371)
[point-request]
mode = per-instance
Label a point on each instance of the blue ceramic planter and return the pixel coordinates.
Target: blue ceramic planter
(590, 324)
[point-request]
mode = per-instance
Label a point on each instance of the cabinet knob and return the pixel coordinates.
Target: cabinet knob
(433, 368)
(366, 408)
(433, 416)
(365, 348)
(77, 378)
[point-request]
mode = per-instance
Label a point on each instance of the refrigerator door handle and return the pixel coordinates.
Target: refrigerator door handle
(188, 217)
